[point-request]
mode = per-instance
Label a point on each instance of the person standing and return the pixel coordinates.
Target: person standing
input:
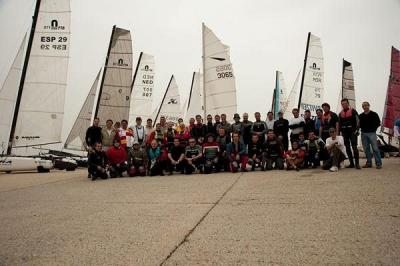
(225, 124)
(139, 132)
(237, 127)
(210, 127)
(247, 129)
(318, 121)
(281, 130)
(217, 124)
(296, 125)
(259, 127)
(369, 123)
(349, 125)
(199, 130)
(270, 121)
(164, 124)
(329, 120)
(149, 127)
(309, 123)
(223, 140)
(108, 135)
(93, 134)
(124, 134)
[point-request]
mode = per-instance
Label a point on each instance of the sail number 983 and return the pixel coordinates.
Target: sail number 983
(224, 71)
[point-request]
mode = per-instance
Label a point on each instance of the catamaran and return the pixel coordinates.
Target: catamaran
(142, 89)
(219, 86)
(170, 106)
(37, 104)
(312, 82)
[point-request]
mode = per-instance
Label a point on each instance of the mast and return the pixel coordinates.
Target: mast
(136, 70)
(191, 89)
(204, 71)
(23, 75)
(304, 70)
(162, 102)
(274, 101)
(104, 72)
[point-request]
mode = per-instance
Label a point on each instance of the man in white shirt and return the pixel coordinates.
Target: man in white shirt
(270, 121)
(139, 132)
(336, 150)
(296, 124)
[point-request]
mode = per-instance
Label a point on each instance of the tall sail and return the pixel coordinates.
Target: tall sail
(39, 108)
(170, 106)
(312, 83)
(392, 104)
(195, 101)
(8, 96)
(348, 90)
(76, 138)
(115, 88)
(219, 80)
(279, 96)
(291, 99)
(142, 89)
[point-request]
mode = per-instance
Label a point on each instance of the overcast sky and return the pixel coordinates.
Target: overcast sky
(264, 36)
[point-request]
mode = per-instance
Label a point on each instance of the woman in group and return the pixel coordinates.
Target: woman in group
(156, 163)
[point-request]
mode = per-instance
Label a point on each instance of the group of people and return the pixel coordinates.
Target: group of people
(218, 145)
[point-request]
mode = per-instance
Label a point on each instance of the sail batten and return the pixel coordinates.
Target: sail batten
(312, 85)
(76, 138)
(219, 88)
(41, 96)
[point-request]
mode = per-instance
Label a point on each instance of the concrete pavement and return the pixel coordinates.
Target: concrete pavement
(278, 217)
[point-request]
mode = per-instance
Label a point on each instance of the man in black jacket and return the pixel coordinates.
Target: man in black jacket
(93, 134)
(210, 127)
(199, 130)
(349, 125)
(369, 123)
(310, 123)
(97, 163)
(281, 130)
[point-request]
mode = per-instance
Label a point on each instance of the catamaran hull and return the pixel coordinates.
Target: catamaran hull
(11, 164)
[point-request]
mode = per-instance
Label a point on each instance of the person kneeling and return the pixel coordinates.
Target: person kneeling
(137, 161)
(237, 154)
(193, 157)
(255, 152)
(97, 163)
(155, 162)
(294, 157)
(336, 150)
(211, 153)
(272, 152)
(314, 149)
(176, 154)
(117, 159)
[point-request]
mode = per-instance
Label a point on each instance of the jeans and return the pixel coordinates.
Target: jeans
(369, 140)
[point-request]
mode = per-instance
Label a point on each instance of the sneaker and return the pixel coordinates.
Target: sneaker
(379, 167)
(333, 169)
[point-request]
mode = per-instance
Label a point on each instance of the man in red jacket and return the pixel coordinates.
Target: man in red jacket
(117, 157)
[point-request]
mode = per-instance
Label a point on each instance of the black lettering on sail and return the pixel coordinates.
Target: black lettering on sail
(314, 65)
(54, 23)
(120, 61)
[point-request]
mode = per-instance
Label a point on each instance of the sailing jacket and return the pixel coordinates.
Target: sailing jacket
(93, 135)
(116, 155)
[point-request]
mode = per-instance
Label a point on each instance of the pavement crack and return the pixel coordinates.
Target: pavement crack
(188, 234)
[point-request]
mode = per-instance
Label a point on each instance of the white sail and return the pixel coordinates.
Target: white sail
(142, 89)
(8, 96)
(170, 106)
(76, 138)
(219, 79)
(279, 96)
(291, 101)
(312, 89)
(115, 90)
(282, 91)
(195, 101)
(41, 109)
(348, 90)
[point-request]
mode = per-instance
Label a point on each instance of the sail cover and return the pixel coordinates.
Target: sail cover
(115, 90)
(219, 79)
(195, 102)
(348, 83)
(312, 89)
(170, 106)
(76, 138)
(41, 107)
(8, 96)
(142, 89)
(291, 102)
(392, 104)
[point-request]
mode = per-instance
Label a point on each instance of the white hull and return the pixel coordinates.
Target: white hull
(9, 164)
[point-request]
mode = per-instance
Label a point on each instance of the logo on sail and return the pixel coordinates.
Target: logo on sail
(120, 63)
(147, 68)
(173, 101)
(54, 25)
(314, 67)
(218, 58)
